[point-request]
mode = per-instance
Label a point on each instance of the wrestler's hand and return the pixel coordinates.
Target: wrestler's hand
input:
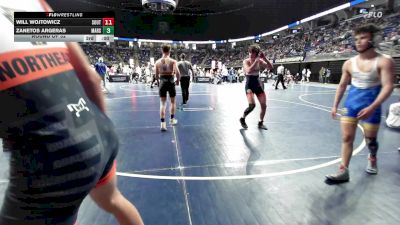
(365, 113)
(177, 83)
(333, 112)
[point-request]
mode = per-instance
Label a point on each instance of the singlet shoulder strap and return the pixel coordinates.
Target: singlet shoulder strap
(354, 67)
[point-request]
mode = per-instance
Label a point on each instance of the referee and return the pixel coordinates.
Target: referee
(185, 69)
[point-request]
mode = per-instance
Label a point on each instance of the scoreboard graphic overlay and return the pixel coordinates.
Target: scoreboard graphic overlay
(64, 26)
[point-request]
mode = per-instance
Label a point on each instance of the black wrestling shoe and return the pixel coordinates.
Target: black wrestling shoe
(262, 126)
(243, 123)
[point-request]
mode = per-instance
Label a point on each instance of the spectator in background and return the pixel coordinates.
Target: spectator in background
(101, 69)
(153, 76)
(327, 75)
(289, 77)
(303, 75)
(308, 75)
(322, 75)
(395, 38)
(231, 75)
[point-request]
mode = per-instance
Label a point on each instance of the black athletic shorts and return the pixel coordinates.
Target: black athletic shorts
(254, 85)
(167, 84)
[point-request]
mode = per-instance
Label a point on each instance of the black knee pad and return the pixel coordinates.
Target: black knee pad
(372, 145)
(249, 109)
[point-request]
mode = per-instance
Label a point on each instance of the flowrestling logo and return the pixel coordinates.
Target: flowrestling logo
(374, 14)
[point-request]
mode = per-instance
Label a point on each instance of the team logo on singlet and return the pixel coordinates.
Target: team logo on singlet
(78, 108)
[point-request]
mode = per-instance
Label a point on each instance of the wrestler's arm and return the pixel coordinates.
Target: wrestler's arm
(157, 72)
(88, 77)
(178, 74)
(344, 81)
(387, 80)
